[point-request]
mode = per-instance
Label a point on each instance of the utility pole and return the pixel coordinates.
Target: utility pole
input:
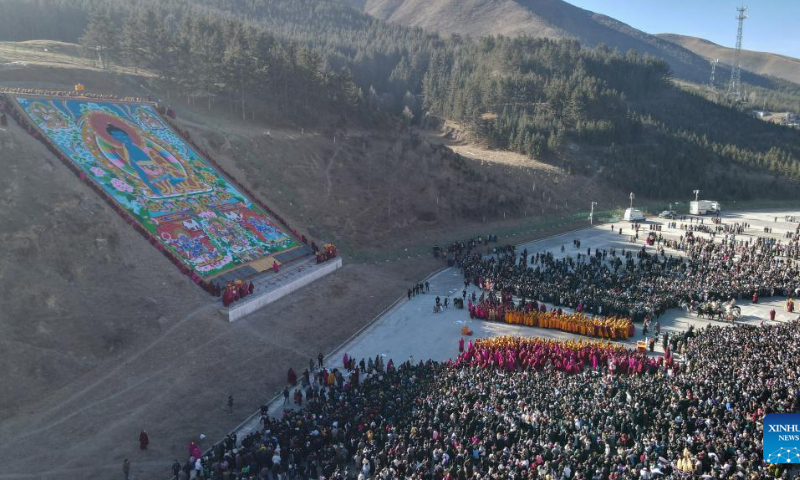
(696, 194)
(591, 214)
(632, 197)
(735, 87)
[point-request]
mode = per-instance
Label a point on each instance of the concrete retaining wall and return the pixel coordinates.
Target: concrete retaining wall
(243, 309)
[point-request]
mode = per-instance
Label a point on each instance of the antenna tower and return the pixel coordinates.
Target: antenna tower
(735, 87)
(713, 72)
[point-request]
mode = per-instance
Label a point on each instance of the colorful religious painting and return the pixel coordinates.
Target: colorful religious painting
(160, 180)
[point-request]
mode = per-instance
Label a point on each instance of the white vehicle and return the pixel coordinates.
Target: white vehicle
(701, 207)
(633, 215)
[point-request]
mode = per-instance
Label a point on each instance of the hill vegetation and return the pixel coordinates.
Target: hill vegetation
(553, 19)
(766, 77)
(762, 63)
(592, 111)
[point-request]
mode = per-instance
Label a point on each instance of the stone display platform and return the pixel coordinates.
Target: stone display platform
(269, 287)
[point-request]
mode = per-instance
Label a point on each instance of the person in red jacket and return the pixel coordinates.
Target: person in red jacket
(772, 314)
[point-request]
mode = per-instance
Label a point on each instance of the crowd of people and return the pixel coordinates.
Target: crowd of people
(419, 289)
(327, 252)
(636, 283)
(554, 410)
(73, 93)
(234, 291)
(608, 327)
(524, 353)
(456, 249)
(534, 314)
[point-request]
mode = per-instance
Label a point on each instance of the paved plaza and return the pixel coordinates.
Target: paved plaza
(411, 329)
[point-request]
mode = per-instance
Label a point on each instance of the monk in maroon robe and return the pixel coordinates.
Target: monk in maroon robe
(226, 298)
(144, 440)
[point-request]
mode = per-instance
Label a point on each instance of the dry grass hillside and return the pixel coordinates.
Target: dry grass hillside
(51, 53)
(364, 188)
(100, 336)
(540, 18)
(762, 63)
(465, 17)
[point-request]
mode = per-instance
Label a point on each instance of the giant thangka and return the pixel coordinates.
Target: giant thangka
(155, 176)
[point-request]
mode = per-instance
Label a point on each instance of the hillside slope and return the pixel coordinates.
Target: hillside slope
(100, 336)
(539, 18)
(360, 187)
(468, 17)
(762, 63)
(333, 70)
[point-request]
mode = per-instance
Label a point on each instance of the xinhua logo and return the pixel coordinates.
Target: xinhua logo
(782, 438)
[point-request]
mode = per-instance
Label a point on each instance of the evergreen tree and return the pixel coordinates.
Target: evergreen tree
(101, 36)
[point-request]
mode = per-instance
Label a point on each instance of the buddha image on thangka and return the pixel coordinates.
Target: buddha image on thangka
(147, 120)
(150, 166)
(262, 227)
(227, 231)
(189, 240)
(44, 113)
(155, 176)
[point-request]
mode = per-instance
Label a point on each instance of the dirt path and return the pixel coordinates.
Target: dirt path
(454, 138)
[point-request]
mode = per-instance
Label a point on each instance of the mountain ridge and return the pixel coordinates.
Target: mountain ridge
(762, 63)
(555, 19)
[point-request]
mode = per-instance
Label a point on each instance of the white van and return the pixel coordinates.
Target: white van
(701, 207)
(633, 215)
